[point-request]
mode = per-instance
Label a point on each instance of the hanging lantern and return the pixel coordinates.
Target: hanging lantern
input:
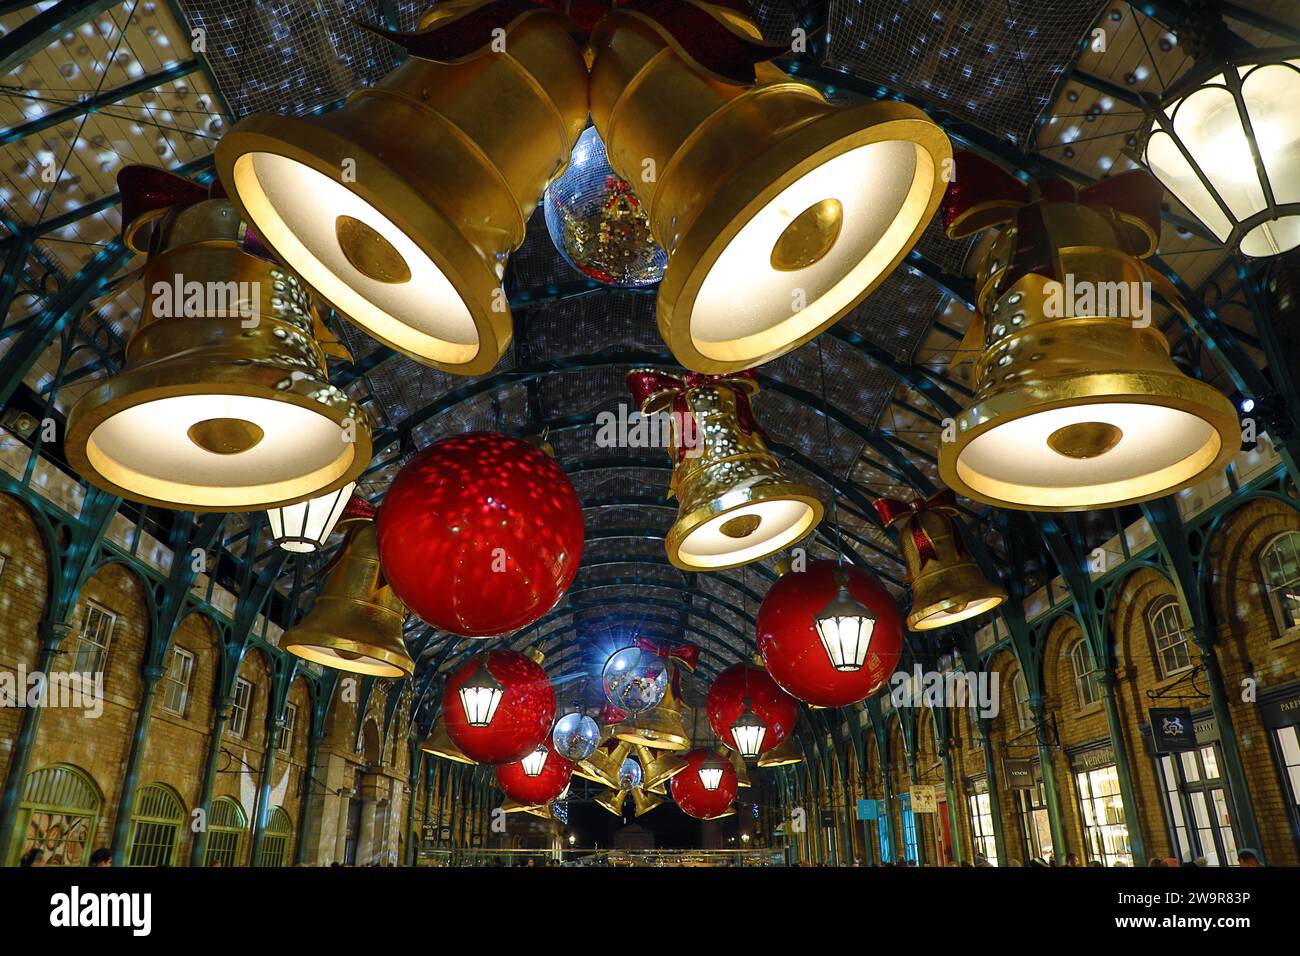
(748, 732)
(439, 745)
(306, 526)
(1225, 138)
(947, 585)
(661, 728)
(356, 623)
(785, 755)
(779, 211)
(744, 688)
(734, 507)
(536, 787)
(401, 206)
(575, 736)
(498, 706)
(480, 534)
(794, 650)
(691, 791)
(1078, 404)
(845, 626)
(224, 402)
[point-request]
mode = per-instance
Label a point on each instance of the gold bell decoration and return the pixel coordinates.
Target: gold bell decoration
(644, 801)
(440, 744)
(734, 506)
(603, 765)
(779, 211)
(784, 754)
(742, 772)
(658, 769)
(947, 585)
(1078, 404)
(223, 402)
(542, 810)
(612, 800)
(356, 623)
(400, 207)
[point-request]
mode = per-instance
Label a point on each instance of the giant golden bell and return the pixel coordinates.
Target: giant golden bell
(659, 728)
(440, 744)
(783, 754)
(645, 802)
(658, 769)
(779, 211)
(603, 765)
(734, 506)
(223, 403)
(1078, 404)
(356, 623)
(742, 772)
(612, 800)
(947, 585)
(401, 206)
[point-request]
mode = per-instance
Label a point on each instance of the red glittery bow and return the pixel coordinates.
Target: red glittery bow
(645, 384)
(688, 655)
(944, 503)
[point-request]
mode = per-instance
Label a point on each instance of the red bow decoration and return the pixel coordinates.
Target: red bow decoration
(646, 384)
(688, 655)
(148, 191)
(892, 510)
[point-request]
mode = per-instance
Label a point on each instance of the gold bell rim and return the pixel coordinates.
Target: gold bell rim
(372, 661)
(1168, 390)
(954, 609)
(743, 196)
(306, 143)
(691, 522)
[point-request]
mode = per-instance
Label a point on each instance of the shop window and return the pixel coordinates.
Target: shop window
(1085, 677)
(155, 825)
(227, 825)
(1197, 804)
(1169, 635)
(1105, 828)
(90, 653)
(285, 744)
(1287, 742)
(909, 829)
(1279, 563)
(240, 708)
(58, 814)
(981, 826)
(1035, 823)
(276, 839)
(882, 827)
(176, 682)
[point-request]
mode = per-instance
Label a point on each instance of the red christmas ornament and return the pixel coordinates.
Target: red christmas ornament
(690, 793)
(770, 704)
(480, 534)
(793, 651)
(522, 718)
(535, 791)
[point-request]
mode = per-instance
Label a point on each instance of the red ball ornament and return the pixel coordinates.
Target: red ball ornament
(522, 719)
(689, 791)
(770, 704)
(793, 651)
(480, 534)
(535, 791)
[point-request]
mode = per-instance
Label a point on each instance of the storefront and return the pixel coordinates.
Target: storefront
(1024, 778)
(1197, 806)
(1096, 786)
(980, 810)
(1280, 710)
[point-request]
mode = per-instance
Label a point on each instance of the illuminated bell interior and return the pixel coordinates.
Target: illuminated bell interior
(480, 696)
(224, 402)
(358, 200)
(845, 626)
(305, 527)
(780, 211)
(784, 754)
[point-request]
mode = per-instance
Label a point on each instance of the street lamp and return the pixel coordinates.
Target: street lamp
(480, 696)
(845, 627)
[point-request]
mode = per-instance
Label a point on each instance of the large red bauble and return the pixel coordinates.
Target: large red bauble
(480, 534)
(535, 791)
(690, 795)
(794, 654)
(771, 705)
(523, 717)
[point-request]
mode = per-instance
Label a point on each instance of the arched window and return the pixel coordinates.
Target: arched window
(1021, 691)
(276, 838)
(1169, 635)
(1085, 679)
(58, 813)
(227, 825)
(155, 824)
(1279, 562)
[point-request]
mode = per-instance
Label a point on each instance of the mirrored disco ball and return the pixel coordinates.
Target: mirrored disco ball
(635, 680)
(597, 223)
(575, 736)
(629, 775)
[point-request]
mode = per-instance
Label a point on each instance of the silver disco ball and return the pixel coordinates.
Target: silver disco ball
(575, 736)
(635, 680)
(629, 775)
(597, 222)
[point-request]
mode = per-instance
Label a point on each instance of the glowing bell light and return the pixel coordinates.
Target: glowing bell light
(749, 732)
(480, 696)
(306, 526)
(711, 772)
(845, 626)
(535, 761)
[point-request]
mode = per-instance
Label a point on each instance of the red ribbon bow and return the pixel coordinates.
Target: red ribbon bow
(688, 655)
(892, 510)
(646, 384)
